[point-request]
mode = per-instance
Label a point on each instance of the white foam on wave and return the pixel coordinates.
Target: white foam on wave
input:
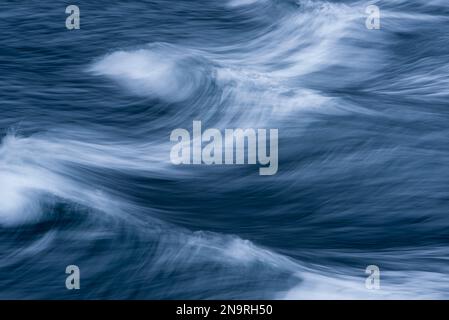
(38, 170)
(240, 3)
(400, 285)
(229, 249)
(164, 72)
(268, 76)
(21, 184)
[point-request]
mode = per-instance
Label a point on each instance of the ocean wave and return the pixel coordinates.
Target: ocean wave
(87, 179)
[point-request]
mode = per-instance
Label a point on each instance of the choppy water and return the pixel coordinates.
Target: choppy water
(86, 179)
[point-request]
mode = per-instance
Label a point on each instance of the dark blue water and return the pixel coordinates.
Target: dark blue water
(86, 179)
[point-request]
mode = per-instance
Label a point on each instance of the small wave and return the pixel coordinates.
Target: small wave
(238, 3)
(161, 71)
(38, 172)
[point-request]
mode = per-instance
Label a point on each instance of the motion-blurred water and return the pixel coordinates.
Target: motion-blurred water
(86, 179)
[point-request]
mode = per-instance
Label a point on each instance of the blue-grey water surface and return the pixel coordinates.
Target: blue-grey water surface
(86, 179)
